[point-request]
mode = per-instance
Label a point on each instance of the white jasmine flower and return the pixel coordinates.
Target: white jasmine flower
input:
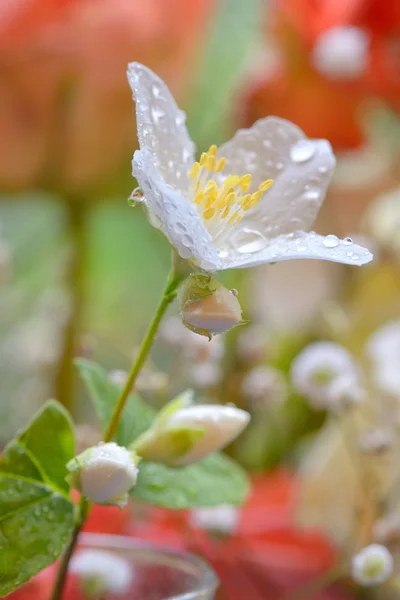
(101, 573)
(372, 565)
(183, 433)
(264, 386)
(314, 370)
(222, 519)
(383, 349)
(104, 473)
(218, 212)
(342, 52)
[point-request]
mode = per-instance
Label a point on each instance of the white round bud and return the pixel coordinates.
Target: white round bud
(372, 565)
(314, 370)
(107, 473)
(223, 519)
(264, 386)
(342, 52)
(221, 425)
(101, 573)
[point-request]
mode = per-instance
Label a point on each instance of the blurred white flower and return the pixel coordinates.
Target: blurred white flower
(343, 393)
(382, 220)
(223, 519)
(199, 205)
(387, 528)
(204, 374)
(314, 370)
(252, 343)
(383, 350)
(104, 473)
(376, 441)
(264, 386)
(342, 52)
(184, 433)
(372, 565)
(101, 573)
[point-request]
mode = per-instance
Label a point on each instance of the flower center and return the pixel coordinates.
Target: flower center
(223, 202)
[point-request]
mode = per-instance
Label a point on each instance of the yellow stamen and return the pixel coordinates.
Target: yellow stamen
(265, 185)
(220, 165)
(212, 150)
(233, 217)
(210, 163)
(194, 171)
(203, 159)
(255, 198)
(225, 212)
(245, 182)
(231, 198)
(209, 213)
(231, 181)
(211, 185)
(245, 201)
(210, 199)
(199, 197)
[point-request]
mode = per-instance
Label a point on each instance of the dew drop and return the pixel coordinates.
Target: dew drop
(322, 169)
(157, 114)
(302, 151)
(355, 257)
(331, 241)
(180, 118)
(156, 90)
(311, 195)
(347, 241)
(187, 240)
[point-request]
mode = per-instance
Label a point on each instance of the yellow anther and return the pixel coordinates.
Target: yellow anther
(231, 198)
(255, 198)
(199, 197)
(231, 181)
(203, 159)
(210, 198)
(265, 185)
(225, 212)
(245, 201)
(210, 162)
(209, 213)
(245, 183)
(194, 171)
(220, 165)
(212, 150)
(238, 219)
(211, 185)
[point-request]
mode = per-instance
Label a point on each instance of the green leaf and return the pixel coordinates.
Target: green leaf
(35, 526)
(230, 43)
(215, 480)
(36, 514)
(137, 415)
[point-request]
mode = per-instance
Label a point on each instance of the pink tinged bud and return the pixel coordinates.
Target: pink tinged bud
(214, 314)
(207, 308)
(220, 426)
(105, 473)
(372, 565)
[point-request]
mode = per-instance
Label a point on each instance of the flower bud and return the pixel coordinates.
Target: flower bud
(372, 565)
(183, 434)
(342, 52)
(101, 573)
(104, 474)
(207, 308)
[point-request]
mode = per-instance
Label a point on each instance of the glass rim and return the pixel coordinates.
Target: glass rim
(208, 582)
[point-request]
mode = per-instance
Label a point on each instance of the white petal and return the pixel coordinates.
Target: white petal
(300, 246)
(175, 216)
(161, 126)
(301, 169)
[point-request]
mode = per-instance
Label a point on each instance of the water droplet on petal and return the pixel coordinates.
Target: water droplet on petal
(157, 114)
(302, 151)
(331, 241)
(323, 169)
(347, 241)
(355, 257)
(311, 195)
(156, 90)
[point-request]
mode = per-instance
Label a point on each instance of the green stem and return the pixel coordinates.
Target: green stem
(169, 294)
(64, 378)
(170, 291)
(82, 512)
